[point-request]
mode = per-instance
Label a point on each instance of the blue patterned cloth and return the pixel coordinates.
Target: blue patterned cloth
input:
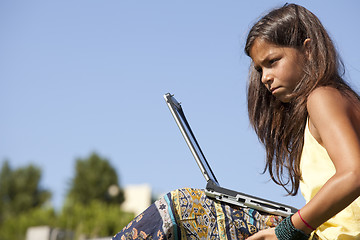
(190, 214)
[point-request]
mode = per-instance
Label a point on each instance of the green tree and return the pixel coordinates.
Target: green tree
(22, 201)
(96, 219)
(92, 207)
(15, 226)
(20, 190)
(95, 179)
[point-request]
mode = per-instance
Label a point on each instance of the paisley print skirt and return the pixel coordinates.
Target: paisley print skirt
(190, 214)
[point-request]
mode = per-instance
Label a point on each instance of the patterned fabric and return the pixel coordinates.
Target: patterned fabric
(190, 214)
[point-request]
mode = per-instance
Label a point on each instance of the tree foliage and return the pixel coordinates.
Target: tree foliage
(96, 219)
(92, 207)
(15, 226)
(95, 179)
(20, 190)
(22, 201)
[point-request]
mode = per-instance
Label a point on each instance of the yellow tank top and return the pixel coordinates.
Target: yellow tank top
(316, 168)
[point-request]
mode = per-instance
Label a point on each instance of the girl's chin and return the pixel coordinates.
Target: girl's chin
(285, 98)
(283, 94)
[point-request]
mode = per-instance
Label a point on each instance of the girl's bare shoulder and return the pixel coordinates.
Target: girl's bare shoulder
(330, 100)
(329, 108)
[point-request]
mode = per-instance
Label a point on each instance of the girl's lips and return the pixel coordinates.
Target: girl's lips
(273, 89)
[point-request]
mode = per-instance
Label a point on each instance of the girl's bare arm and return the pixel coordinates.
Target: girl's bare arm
(335, 123)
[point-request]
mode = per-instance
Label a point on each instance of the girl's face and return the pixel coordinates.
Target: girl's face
(281, 68)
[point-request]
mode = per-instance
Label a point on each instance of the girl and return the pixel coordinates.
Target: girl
(308, 118)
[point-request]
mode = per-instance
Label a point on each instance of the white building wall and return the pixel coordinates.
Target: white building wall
(38, 233)
(137, 198)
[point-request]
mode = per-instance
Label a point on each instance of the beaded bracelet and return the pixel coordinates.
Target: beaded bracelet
(286, 231)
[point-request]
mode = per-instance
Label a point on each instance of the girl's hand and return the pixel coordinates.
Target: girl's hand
(267, 234)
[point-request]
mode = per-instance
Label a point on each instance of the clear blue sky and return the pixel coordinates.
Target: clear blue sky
(84, 76)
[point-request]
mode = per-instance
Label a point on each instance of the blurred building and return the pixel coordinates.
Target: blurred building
(137, 198)
(47, 233)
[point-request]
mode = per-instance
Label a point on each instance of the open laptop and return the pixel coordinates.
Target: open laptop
(213, 188)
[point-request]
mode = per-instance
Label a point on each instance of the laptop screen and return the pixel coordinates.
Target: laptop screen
(189, 136)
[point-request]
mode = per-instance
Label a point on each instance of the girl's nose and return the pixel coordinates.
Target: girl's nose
(266, 79)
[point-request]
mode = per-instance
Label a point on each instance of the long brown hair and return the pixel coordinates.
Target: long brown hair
(280, 126)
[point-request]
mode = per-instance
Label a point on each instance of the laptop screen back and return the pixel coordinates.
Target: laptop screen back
(189, 136)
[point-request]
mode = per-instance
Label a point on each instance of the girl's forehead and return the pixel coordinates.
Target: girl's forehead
(261, 48)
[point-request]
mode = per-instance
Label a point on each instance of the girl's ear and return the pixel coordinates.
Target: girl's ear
(306, 48)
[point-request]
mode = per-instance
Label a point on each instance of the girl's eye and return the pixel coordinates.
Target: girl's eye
(272, 61)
